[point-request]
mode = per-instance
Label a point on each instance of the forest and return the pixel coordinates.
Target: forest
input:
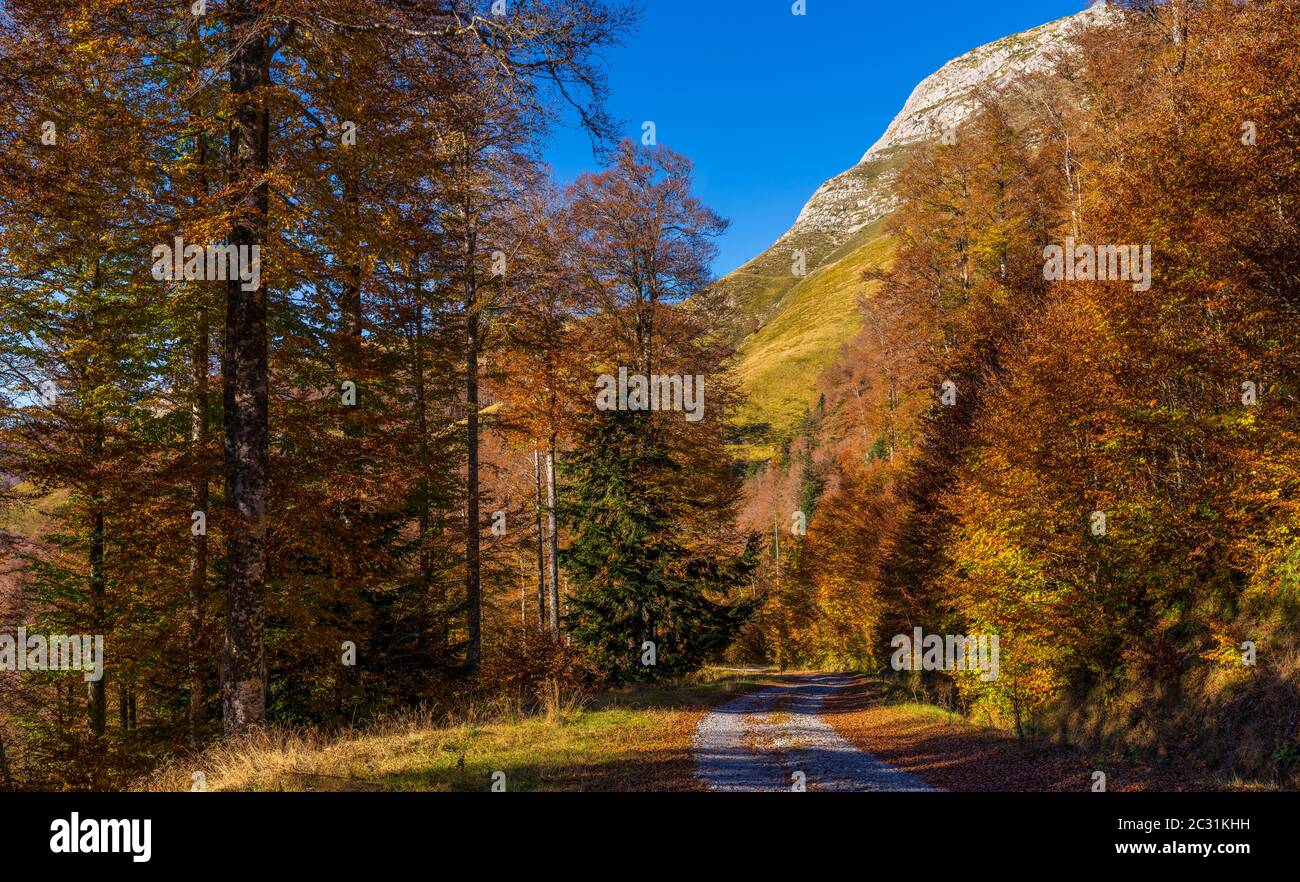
(322, 400)
(1099, 469)
(328, 488)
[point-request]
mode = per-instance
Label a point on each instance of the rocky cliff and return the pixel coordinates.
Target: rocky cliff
(790, 326)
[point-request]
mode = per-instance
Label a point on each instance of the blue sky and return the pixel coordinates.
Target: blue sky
(769, 105)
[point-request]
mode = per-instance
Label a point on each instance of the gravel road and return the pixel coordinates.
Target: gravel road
(775, 739)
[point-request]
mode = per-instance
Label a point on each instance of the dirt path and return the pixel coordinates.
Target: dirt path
(773, 738)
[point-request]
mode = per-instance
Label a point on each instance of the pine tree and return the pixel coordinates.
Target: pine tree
(634, 582)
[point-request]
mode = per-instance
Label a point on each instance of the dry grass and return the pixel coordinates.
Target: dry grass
(634, 739)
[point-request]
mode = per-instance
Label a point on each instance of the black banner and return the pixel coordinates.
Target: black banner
(380, 832)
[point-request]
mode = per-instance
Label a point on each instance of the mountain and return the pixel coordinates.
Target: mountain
(788, 327)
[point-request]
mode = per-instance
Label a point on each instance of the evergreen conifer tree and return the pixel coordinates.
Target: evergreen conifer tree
(634, 581)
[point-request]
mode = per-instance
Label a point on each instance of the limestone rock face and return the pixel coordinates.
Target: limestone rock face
(862, 194)
(942, 100)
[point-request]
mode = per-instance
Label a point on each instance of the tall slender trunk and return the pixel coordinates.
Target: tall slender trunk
(351, 310)
(244, 383)
(350, 360)
(436, 601)
(523, 594)
(554, 535)
(893, 401)
(541, 542)
(97, 698)
(125, 707)
(352, 307)
(473, 596)
(645, 330)
(197, 581)
(96, 692)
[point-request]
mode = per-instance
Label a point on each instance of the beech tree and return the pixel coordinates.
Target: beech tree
(1095, 486)
(322, 532)
(645, 241)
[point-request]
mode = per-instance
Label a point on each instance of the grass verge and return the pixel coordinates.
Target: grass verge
(948, 751)
(634, 739)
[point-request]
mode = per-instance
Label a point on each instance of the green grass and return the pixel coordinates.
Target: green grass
(26, 516)
(930, 713)
(779, 364)
(788, 329)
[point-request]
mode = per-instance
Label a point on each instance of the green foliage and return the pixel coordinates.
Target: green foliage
(635, 580)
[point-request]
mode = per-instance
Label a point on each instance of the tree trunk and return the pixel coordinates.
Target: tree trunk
(473, 598)
(893, 400)
(96, 696)
(523, 594)
(433, 595)
(197, 581)
(198, 571)
(125, 707)
(554, 539)
(435, 603)
(541, 543)
(645, 322)
(97, 700)
(350, 305)
(244, 384)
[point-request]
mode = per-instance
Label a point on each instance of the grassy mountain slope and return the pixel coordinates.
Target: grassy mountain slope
(779, 363)
(788, 329)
